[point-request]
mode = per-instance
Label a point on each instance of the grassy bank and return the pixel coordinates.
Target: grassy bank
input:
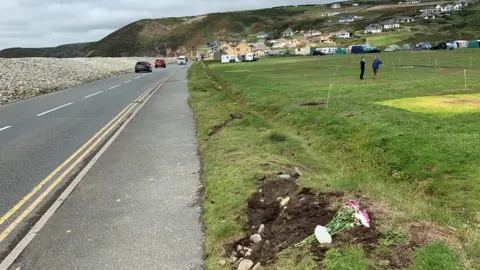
(405, 142)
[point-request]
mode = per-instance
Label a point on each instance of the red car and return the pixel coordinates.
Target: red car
(160, 63)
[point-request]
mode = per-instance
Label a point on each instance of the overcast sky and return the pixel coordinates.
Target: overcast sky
(39, 23)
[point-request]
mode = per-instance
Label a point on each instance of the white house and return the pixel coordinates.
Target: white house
(336, 5)
(278, 43)
(390, 24)
(404, 19)
(464, 3)
(355, 5)
(429, 10)
(262, 35)
(313, 33)
(373, 28)
(288, 33)
(343, 34)
(302, 49)
(347, 18)
(427, 16)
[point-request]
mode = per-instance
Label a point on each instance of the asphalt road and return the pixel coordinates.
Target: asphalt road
(137, 207)
(38, 134)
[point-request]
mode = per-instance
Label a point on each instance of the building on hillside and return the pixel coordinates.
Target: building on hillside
(261, 41)
(429, 10)
(390, 24)
(464, 3)
(373, 28)
(347, 18)
(427, 16)
(302, 49)
(261, 46)
(288, 33)
(262, 35)
(309, 33)
(261, 53)
(226, 48)
(355, 5)
(343, 34)
(278, 43)
(242, 48)
(409, 2)
(292, 43)
(336, 5)
(404, 19)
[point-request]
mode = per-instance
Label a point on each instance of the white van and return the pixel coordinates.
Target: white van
(249, 57)
(229, 59)
(182, 60)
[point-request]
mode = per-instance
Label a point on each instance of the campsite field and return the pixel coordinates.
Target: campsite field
(405, 146)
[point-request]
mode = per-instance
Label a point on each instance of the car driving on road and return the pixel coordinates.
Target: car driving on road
(182, 60)
(143, 66)
(160, 63)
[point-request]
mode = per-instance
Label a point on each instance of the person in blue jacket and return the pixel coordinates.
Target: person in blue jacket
(376, 66)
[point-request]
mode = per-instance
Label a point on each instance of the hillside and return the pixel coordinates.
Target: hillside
(153, 37)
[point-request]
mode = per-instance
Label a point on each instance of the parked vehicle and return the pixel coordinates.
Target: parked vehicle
(182, 60)
(160, 63)
(317, 53)
(143, 66)
(249, 57)
(229, 59)
(357, 49)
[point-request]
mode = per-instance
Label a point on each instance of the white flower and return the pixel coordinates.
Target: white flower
(322, 235)
(362, 219)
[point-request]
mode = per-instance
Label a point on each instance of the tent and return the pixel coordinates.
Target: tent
(341, 51)
(462, 43)
(425, 45)
(452, 45)
(406, 47)
(392, 48)
(473, 44)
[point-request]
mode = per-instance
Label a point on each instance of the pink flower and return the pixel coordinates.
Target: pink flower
(353, 204)
(365, 214)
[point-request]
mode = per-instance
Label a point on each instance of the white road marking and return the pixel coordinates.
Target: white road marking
(127, 81)
(7, 127)
(137, 77)
(54, 109)
(115, 86)
(94, 94)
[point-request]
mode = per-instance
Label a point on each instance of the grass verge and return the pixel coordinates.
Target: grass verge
(417, 167)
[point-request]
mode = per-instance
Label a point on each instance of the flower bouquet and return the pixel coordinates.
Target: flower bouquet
(345, 219)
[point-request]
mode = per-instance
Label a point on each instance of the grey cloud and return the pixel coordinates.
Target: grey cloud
(38, 23)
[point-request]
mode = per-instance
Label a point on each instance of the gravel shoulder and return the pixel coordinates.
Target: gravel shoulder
(23, 78)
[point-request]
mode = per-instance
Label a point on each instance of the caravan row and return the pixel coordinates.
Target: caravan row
(249, 57)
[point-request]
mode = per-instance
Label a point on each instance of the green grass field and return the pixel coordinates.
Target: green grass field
(408, 141)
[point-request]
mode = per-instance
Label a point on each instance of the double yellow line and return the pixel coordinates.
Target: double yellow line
(101, 134)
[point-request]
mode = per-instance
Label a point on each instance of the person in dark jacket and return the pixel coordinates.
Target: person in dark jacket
(376, 65)
(362, 67)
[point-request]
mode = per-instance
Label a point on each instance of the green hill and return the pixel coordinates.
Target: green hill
(152, 37)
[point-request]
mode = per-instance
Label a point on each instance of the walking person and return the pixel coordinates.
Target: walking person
(376, 66)
(362, 67)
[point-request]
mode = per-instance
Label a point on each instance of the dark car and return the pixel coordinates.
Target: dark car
(143, 66)
(317, 53)
(160, 63)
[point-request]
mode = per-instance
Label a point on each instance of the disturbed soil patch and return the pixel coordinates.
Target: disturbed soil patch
(219, 127)
(312, 103)
(281, 215)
